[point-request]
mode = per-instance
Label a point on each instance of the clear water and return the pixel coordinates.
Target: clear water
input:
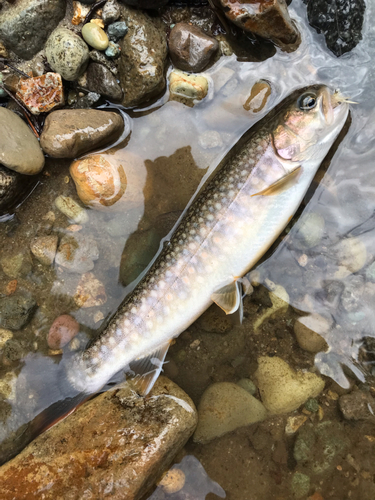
(171, 150)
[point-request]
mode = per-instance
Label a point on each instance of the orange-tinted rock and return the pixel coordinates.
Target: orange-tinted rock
(258, 97)
(106, 181)
(62, 331)
(267, 18)
(41, 93)
(90, 292)
(115, 446)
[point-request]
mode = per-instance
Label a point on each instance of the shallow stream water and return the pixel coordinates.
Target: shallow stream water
(172, 148)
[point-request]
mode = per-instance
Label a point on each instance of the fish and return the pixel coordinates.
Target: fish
(234, 220)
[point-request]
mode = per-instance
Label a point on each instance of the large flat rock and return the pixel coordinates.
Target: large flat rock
(114, 446)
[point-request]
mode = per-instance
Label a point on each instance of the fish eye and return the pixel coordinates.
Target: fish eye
(307, 101)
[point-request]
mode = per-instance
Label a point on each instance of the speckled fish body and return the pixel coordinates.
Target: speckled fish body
(222, 235)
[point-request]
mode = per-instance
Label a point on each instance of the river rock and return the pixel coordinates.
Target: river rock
(187, 88)
(16, 310)
(41, 94)
(267, 18)
(67, 53)
(190, 48)
(62, 331)
(19, 148)
(101, 80)
(113, 51)
(111, 12)
(70, 133)
(16, 264)
(358, 405)
(116, 31)
(225, 407)
(309, 332)
(99, 57)
(121, 459)
(143, 58)
(44, 249)
(13, 187)
(77, 253)
(281, 388)
(90, 292)
(71, 209)
(25, 26)
(95, 36)
(146, 4)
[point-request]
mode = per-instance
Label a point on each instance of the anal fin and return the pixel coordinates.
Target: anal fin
(147, 369)
(281, 184)
(229, 297)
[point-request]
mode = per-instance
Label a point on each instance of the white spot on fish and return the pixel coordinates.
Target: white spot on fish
(217, 206)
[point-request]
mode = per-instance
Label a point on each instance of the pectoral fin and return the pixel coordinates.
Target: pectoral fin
(229, 297)
(281, 184)
(147, 369)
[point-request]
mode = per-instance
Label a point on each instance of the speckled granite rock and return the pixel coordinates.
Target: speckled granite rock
(69, 133)
(143, 57)
(118, 460)
(25, 25)
(67, 53)
(19, 148)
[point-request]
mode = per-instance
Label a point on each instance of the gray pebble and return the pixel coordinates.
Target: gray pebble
(113, 51)
(111, 12)
(116, 31)
(101, 80)
(15, 311)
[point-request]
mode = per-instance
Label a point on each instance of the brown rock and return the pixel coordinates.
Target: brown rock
(119, 460)
(190, 48)
(90, 292)
(310, 331)
(44, 248)
(143, 58)
(62, 331)
(266, 18)
(101, 80)
(40, 94)
(69, 133)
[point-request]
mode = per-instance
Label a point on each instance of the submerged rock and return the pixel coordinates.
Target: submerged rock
(121, 459)
(111, 12)
(225, 407)
(19, 148)
(310, 331)
(71, 209)
(67, 53)
(340, 22)
(13, 188)
(90, 292)
(77, 253)
(25, 26)
(101, 80)
(16, 264)
(267, 18)
(143, 58)
(41, 94)
(62, 331)
(44, 249)
(281, 388)
(69, 133)
(190, 48)
(358, 405)
(16, 310)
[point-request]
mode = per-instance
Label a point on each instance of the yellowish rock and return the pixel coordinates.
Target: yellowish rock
(90, 292)
(309, 332)
(80, 11)
(5, 335)
(225, 407)
(95, 36)
(187, 86)
(280, 303)
(294, 423)
(8, 385)
(283, 389)
(173, 481)
(258, 97)
(351, 256)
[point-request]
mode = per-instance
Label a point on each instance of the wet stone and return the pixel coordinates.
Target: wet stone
(69, 133)
(145, 435)
(113, 51)
(90, 292)
(87, 101)
(41, 94)
(67, 53)
(225, 407)
(111, 12)
(358, 405)
(80, 12)
(16, 265)
(71, 209)
(116, 31)
(352, 295)
(25, 26)
(310, 332)
(99, 57)
(44, 249)
(143, 58)
(300, 485)
(16, 311)
(190, 48)
(340, 22)
(95, 36)
(62, 331)
(146, 4)
(19, 148)
(101, 80)
(13, 187)
(77, 253)
(5, 335)
(187, 88)
(267, 18)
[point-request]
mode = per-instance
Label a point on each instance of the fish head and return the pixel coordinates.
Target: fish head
(308, 123)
